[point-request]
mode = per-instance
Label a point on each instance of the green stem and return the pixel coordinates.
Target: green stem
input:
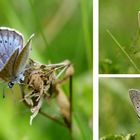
(86, 31)
(123, 50)
(80, 126)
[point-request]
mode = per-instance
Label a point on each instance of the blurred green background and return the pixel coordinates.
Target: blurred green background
(63, 30)
(120, 18)
(117, 115)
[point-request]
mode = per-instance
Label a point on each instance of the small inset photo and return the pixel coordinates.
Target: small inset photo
(119, 37)
(119, 108)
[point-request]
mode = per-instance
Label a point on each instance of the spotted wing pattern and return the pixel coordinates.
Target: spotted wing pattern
(10, 40)
(135, 98)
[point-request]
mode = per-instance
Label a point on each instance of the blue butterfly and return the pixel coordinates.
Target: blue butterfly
(13, 55)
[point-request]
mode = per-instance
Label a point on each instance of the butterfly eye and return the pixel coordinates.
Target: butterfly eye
(10, 84)
(5, 41)
(0, 41)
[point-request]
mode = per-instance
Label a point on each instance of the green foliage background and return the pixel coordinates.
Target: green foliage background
(120, 18)
(63, 30)
(116, 113)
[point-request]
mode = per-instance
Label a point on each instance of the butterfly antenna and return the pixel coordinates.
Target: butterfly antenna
(3, 90)
(3, 95)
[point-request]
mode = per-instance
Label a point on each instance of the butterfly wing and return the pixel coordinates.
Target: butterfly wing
(135, 98)
(7, 71)
(10, 40)
(22, 58)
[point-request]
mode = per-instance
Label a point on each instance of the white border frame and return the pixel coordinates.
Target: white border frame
(95, 72)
